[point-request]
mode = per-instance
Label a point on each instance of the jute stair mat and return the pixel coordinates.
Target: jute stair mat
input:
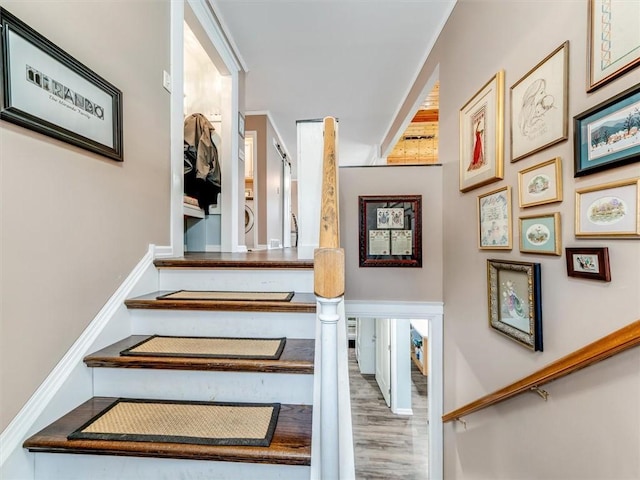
(201, 423)
(228, 296)
(208, 347)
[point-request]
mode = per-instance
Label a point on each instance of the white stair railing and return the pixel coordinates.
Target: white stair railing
(336, 440)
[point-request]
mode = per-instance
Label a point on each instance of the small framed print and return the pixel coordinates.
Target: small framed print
(590, 263)
(482, 136)
(494, 220)
(515, 301)
(390, 231)
(241, 124)
(540, 184)
(609, 210)
(539, 106)
(541, 234)
(608, 135)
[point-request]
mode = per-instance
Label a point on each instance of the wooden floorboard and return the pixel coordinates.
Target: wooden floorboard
(281, 258)
(291, 444)
(297, 357)
(300, 303)
(387, 446)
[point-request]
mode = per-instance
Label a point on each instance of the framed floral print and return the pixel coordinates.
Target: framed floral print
(609, 210)
(540, 184)
(539, 106)
(515, 301)
(482, 136)
(494, 220)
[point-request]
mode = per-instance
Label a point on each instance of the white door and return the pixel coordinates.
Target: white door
(383, 358)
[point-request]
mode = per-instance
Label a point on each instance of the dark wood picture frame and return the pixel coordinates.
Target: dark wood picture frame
(608, 135)
(390, 230)
(589, 263)
(47, 90)
(515, 302)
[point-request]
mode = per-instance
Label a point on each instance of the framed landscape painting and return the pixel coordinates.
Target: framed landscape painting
(608, 135)
(482, 136)
(539, 106)
(540, 184)
(609, 210)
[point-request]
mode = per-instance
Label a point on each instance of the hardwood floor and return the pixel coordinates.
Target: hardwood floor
(387, 446)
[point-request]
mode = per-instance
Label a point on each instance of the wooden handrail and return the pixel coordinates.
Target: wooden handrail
(329, 257)
(614, 343)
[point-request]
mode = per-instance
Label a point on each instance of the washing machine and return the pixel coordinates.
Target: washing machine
(249, 222)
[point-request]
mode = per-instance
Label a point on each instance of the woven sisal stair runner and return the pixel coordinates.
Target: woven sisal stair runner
(290, 444)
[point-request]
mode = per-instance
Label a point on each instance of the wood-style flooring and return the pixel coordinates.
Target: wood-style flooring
(387, 446)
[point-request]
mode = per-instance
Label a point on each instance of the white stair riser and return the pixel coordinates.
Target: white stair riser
(203, 386)
(226, 324)
(52, 466)
(237, 280)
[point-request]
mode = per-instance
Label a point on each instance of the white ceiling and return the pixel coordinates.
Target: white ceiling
(352, 59)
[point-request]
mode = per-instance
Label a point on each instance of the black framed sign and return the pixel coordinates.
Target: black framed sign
(47, 90)
(390, 231)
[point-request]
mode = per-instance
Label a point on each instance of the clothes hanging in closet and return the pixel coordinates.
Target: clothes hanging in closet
(201, 165)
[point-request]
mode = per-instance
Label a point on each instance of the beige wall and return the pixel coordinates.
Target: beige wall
(389, 284)
(258, 123)
(73, 223)
(590, 427)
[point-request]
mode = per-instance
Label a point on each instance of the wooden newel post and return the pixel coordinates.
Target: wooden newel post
(329, 289)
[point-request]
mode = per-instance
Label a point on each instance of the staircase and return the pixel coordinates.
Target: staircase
(288, 380)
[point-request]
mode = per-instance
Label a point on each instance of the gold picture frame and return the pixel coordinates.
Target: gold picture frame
(609, 210)
(494, 220)
(614, 46)
(541, 234)
(540, 184)
(539, 105)
(482, 136)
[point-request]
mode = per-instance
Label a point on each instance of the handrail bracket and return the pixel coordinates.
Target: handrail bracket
(543, 393)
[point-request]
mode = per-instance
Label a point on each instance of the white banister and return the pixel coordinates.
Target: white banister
(329, 433)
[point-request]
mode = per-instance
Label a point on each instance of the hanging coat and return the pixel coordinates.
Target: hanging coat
(201, 165)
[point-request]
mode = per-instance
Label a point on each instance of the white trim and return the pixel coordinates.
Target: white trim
(403, 411)
(16, 432)
(162, 251)
(229, 38)
(432, 311)
(376, 309)
(176, 125)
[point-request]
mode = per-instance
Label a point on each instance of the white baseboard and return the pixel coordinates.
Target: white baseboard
(402, 411)
(13, 436)
(162, 251)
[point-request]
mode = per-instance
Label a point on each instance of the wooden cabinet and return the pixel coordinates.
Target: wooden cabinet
(419, 342)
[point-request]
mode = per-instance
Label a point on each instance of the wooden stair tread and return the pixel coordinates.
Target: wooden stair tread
(297, 357)
(291, 443)
(259, 259)
(300, 303)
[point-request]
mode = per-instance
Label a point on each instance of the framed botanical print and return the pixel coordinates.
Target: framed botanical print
(482, 136)
(540, 184)
(515, 301)
(614, 43)
(609, 210)
(494, 220)
(539, 106)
